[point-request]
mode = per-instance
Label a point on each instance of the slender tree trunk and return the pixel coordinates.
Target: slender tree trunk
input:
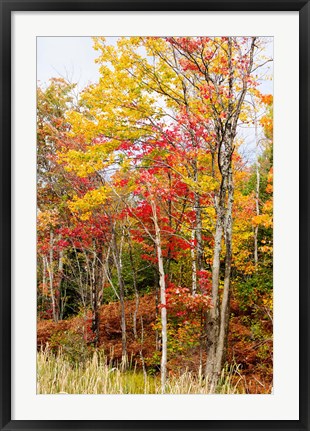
(162, 285)
(213, 315)
(141, 354)
(43, 283)
(168, 259)
(219, 314)
(121, 297)
(88, 281)
(194, 265)
(60, 299)
(195, 176)
(81, 284)
(106, 270)
(200, 265)
(134, 275)
(157, 301)
(103, 278)
(51, 277)
(198, 227)
(217, 328)
(256, 194)
(96, 284)
(225, 304)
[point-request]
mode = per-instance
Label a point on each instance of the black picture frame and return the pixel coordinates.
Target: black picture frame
(7, 7)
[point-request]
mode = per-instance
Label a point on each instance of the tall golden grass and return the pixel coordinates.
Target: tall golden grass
(56, 374)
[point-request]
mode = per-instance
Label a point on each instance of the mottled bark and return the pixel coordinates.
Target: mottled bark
(218, 319)
(225, 306)
(213, 315)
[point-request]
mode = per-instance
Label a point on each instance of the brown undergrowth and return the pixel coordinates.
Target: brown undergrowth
(249, 352)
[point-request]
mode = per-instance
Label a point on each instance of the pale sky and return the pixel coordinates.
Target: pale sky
(73, 58)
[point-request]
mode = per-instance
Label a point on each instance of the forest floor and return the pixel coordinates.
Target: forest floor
(249, 352)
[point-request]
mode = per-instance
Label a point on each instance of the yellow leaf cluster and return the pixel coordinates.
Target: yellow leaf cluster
(90, 201)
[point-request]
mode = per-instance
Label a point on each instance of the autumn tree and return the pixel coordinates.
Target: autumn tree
(208, 80)
(52, 103)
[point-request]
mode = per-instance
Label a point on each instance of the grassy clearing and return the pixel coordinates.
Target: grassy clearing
(56, 374)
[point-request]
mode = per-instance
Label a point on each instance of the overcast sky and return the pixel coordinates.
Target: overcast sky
(72, 58)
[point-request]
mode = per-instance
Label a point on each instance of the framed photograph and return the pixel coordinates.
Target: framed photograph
(154, 181)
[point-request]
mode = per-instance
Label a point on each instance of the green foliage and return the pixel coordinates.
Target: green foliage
(153, 363)
(73, 346)
(183, 336)
(144, 273)
(108, 294)
(257, 331)
(264, 352)
(250, 290)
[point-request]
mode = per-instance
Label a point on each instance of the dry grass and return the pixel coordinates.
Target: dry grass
(56, 374)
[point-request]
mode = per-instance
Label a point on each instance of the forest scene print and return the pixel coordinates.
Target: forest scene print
(155, 219)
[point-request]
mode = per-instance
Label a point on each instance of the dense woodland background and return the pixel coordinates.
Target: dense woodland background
(154, 226)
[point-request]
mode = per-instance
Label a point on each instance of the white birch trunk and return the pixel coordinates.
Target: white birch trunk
(51, 277)
(194, 266)
(162, 286)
